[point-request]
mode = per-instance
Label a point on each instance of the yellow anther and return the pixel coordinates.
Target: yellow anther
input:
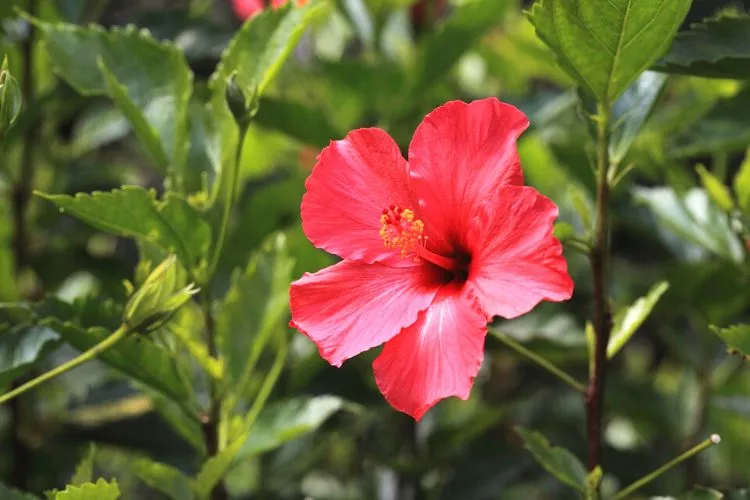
(401, 230)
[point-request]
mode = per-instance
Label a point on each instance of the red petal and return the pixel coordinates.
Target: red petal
(436, 357)
(351, 307)
(244, 9)
(516, 260)
(460, 154)
(354, 180)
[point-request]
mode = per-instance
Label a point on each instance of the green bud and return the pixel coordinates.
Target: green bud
(243, 104)
(160, 296)
(10, 98)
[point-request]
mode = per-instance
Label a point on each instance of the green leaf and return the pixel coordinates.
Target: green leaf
(628, 320)
(606, 44)
(7, 493)
(163, 478)
(441, 50)
(84, 472)
(558, 461)
(724, 128)
(630, 111)
(255, 305)
(138, 357)
(742, 184)
(716, 189)
(286, 420)
(149, 81)
(134, 212)
(737, 337)
(306, 124)
(694, 219)
(699, 493)
(22, 347)
(717, 47)
(255, 55)
(593, 483)
(101, 490)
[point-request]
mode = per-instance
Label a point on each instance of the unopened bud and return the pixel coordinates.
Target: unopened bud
(242, 103)
(10, 98)
(160, 296)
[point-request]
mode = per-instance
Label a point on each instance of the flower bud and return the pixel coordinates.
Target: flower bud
(10, 98)
(243, 104)
(160, 296)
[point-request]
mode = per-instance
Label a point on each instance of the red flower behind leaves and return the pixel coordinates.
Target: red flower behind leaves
(245, 9)
(433, 248)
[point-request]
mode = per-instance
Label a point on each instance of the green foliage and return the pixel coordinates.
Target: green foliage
(84, 472)
(22, 347)
(163, 478)
(628, 320)
(605, 45)
(737, 337)
(149, 81)
(718, 47)
(100, 490)
(557, 461)
(742, 185)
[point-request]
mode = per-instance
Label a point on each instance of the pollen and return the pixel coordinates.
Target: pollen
(401, 230)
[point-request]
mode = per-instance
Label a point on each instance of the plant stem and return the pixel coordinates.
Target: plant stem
(599, 257)
(543, 363)
(714, 439)
(268, 383)
(212, 422)
(20, 453)
(228, 205)
(92, 353)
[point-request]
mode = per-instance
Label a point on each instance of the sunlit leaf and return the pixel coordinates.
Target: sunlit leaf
(605, 45)
(736, 337)
(628, 320)
(100, 490)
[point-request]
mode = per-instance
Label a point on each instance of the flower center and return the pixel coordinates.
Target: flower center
(401, 230)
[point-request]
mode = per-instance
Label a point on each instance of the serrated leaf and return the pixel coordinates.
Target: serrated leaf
(138, 357)
(148, 80)
(736, 337)
(724, 128)
(134, 212)
(22, 347)
(628, 320)
(163, 478)
(606, 44)
(101, 490)
(694, 219)
(286, 420)
(557, 461)
(306, 124)
(717, 47)
(742, 184)
(253, 308)
(716, 189)
(84, 472)
(441, 50)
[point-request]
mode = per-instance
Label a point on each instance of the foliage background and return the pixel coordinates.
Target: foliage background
(326, 432)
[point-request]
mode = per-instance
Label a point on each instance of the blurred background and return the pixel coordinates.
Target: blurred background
(387, 63)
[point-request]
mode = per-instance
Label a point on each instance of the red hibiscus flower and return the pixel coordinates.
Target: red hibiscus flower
(433, 248)
(245, 9)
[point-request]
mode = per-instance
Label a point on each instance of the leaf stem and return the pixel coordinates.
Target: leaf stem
(712, 440)
(543, 363)
(268, 383)
(599, 257)
(90, 354)
(228, 205)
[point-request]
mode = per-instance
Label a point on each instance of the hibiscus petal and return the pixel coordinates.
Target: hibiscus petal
(436, 357)
(354, 180)
(460, 154)
(247, 8)
(351, 307)
(516, 260)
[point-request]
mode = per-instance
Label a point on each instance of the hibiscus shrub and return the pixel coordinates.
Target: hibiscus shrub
(394, 249)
